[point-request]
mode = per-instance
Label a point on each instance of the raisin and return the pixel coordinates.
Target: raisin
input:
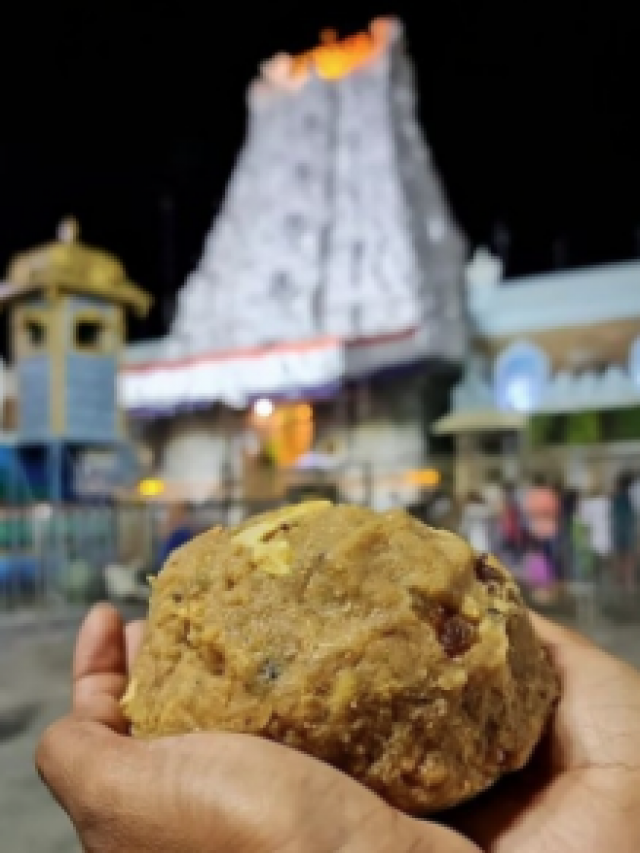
(178, 597)
(484, 571)
(456, 636)
(269, 671)
(281, 528)
(214, 659)
(504, 758)
(433, 612)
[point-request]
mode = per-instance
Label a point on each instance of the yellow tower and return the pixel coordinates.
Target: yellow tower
(67, 306)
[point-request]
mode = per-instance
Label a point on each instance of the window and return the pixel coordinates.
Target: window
(91, 333)
(303, 172)
(281, 285)
(497, 443)
(311, 122)
(31, 330)
(521, 376)
(295, 226)
(356, 320)
(36, 331)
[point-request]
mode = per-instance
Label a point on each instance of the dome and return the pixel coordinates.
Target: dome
(69, 265)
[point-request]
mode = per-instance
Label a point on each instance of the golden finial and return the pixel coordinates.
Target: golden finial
(68, 230)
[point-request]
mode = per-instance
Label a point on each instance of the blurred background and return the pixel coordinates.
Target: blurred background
(383, 255)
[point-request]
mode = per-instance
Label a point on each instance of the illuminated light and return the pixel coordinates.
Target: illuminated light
(427, 477)
(151, 488)
(519, 394)
(333, 59)
(303, 412)
(328, 37)
(263, 408)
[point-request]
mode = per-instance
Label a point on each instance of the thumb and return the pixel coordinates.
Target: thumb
(88, 768)
(100, 668)
(217, 793)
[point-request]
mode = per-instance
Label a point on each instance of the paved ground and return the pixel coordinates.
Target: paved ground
(34, 690)
(33, 683)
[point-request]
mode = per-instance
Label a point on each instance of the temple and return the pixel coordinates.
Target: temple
(334, 261)
(560, 386)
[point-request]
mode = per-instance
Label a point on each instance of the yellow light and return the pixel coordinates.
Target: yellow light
(150, 488)
(427, 477)
(303, 412)
(334, 59)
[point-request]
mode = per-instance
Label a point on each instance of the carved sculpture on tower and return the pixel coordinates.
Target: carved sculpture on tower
(334, 224)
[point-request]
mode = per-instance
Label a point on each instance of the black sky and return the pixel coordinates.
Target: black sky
(107, 109)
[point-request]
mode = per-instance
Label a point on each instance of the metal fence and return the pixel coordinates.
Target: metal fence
(57, 554)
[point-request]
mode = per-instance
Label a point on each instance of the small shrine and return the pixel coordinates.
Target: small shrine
(67, 304)
(554, 376)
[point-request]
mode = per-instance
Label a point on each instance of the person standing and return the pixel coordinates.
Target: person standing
(511, 529)
(595, 512)
(178, 531)
(542, 508)
(623, 533)
(493, 497)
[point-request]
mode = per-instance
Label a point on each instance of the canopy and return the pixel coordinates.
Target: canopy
(481, 420)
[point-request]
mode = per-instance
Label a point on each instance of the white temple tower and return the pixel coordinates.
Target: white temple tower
(334, 223)
(333, 262)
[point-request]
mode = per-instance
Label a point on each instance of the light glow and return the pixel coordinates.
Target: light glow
(332, 59)
(263, 408)
(427, 477)
(151, 488)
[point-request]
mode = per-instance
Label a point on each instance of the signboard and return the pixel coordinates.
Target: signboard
(98, 473)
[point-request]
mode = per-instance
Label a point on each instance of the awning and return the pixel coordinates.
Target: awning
(481, 420)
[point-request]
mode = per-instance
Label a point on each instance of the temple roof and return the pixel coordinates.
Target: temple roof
(565, 299)
(69, 265)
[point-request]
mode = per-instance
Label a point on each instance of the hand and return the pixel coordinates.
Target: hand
(241, 795)
(213, 793)
(581, 792)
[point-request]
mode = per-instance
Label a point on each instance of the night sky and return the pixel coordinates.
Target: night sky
(131, 121)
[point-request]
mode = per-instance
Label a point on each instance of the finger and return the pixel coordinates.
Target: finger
(555, 635)
(596, 722)
(100, 668)
(134, 633)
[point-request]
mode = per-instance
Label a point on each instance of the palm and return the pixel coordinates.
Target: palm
(576, 794)
(243, 794)
(580, 794)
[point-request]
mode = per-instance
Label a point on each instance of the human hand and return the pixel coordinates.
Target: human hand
(581, 791)
(241, 795)
(203, 793)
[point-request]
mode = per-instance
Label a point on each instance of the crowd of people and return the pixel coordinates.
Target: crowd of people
(550, 535)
